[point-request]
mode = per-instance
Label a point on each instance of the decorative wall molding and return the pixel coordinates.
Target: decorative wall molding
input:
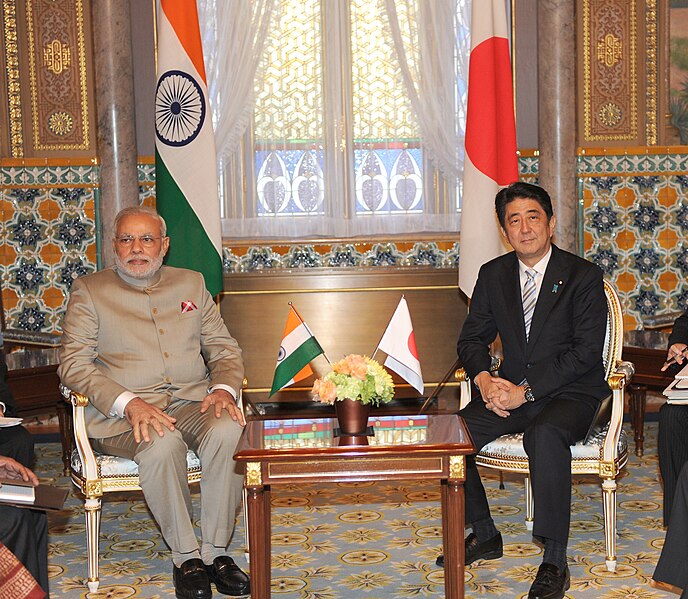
(610, 77)
(57, 64)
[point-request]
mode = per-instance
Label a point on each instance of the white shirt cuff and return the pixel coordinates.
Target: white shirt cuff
(227, 388)
(117, 410)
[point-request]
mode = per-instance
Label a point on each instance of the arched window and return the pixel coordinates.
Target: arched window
(337, 118)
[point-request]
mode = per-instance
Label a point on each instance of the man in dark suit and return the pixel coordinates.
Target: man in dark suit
(23, 531)
(15, 441)
(672, 440)
(549, 309)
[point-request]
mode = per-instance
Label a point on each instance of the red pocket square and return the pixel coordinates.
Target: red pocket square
(188, 306)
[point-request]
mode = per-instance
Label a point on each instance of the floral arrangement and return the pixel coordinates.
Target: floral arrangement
(355, 377)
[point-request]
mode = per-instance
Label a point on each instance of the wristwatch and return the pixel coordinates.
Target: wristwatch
(528, 392)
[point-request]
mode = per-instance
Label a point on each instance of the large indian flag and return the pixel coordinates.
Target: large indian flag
(296, 351)
(185, 164)
(491, 160)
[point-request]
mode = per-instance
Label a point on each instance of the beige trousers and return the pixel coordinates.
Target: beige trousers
(162, 474)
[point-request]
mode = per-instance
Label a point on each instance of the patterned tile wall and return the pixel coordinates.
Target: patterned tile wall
(635, 227)
(48, 232)
(635, 215)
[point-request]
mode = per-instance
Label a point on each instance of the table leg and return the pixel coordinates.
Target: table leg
(452, 537)
(637, 399)
(258, 507)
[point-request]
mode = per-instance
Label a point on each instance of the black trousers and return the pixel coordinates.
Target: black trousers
(17, 443)
(671, 567)
(550, 427)
(672, 447)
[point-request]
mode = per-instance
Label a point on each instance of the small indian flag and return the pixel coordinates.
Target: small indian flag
(296, 351)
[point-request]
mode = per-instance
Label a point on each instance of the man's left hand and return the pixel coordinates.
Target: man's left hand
(222, 400)
(505, 396)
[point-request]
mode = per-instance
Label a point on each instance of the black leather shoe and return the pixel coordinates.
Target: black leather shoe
(191, 580)
(228, 577)
(491, 549)
(550, 582)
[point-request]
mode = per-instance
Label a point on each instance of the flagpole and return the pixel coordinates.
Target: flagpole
(383, 332)
(303, 322)
(441, 384)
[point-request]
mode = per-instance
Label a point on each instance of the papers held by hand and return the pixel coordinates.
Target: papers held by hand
(16, 490)
(24, 494)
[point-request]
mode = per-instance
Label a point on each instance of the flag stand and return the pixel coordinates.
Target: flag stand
(440, 385)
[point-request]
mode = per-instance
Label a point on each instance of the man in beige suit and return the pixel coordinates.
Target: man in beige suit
(146, 343)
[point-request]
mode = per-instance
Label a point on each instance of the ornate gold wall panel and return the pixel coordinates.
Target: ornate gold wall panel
(58, 76)
(12, 82)
(610, 70)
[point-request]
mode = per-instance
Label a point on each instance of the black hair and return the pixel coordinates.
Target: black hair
(522, 190)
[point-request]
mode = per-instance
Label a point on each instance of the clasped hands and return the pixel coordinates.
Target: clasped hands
(142, 415)
(500, 396)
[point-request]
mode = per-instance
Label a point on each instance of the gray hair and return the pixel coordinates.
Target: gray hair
(134, 210)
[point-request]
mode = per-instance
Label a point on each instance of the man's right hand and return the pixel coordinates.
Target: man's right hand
(494, 392)
(676, 353)
(141, 415)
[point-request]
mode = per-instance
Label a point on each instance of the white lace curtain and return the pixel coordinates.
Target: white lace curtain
(430, 41)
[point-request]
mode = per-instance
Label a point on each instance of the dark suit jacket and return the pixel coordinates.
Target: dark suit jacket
(679, 333)
(563, 355)
(5, 393)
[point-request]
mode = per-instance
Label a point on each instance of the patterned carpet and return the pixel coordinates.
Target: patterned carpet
(376, 540)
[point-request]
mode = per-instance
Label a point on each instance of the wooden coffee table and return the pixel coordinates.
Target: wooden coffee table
(429, 447)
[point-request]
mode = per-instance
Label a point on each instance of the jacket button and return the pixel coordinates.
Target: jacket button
(529, 365)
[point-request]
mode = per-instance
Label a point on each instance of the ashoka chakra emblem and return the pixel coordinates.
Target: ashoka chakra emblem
(179, 108)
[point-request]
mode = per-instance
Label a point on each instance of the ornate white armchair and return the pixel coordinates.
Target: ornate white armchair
(605, 454)
(96, 474)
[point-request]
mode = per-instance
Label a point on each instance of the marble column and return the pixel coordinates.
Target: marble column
(557, 114)
(116, 131)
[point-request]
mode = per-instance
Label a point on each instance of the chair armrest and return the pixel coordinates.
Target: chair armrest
(83, 444)
(618, 379)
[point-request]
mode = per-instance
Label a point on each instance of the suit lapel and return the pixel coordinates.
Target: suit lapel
(553, 283)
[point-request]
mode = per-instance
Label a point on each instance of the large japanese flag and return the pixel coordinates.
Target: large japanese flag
(399, 343)
(185, 165)
(491, 160)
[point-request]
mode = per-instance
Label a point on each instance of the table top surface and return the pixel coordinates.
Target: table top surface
(317, 437)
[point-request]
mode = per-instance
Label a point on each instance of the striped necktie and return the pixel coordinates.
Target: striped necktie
(529, 299)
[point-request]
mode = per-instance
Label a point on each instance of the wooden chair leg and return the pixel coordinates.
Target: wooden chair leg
(609, 499)
(92, 511)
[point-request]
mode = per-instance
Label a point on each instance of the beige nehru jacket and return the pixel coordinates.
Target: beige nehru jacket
(161, 339)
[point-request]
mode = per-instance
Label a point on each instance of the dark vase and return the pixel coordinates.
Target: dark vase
(352, 416)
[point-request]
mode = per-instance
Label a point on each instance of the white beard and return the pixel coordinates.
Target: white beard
(140, 272)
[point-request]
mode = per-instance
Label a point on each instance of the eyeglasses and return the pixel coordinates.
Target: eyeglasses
(147, 241)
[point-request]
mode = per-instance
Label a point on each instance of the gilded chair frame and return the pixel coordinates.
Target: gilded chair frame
(87, 475)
